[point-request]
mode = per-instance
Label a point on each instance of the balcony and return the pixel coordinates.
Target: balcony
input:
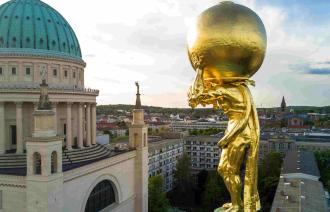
(17, 87)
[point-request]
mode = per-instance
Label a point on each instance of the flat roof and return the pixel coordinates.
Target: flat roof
(300, 162)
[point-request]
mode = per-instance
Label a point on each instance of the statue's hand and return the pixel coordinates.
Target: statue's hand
(223, 143)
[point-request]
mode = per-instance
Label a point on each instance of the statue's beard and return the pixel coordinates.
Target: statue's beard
(198, 94)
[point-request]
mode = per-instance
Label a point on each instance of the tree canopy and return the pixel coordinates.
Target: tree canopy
(157, 198)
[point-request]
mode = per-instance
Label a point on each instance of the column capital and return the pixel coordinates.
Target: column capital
(55, 103)
(19, 104)
(69, 103)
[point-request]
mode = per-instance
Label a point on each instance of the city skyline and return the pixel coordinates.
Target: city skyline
(124, 42)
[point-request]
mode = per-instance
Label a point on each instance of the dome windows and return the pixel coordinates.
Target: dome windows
(41, 41)
(14, 42)
(38, 18)
(28, 71)
(16, 16)
(27, 17)
(55, 72)
(49, 21)
(13, 71)
(53, 43)
(6, 16)
(28, 40)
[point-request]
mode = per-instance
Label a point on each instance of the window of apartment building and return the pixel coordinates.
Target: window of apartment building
(54, 72)
(65, 73)
(74, 75)
(28, 71)
(13, 71)
(281, 146)
(1, 71)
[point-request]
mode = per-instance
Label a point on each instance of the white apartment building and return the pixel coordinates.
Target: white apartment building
(163, 157)
(203, 151)
(178, 126)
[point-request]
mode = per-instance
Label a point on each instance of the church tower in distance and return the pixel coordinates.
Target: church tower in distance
(44, 181)
(283, 105)
(138, 140)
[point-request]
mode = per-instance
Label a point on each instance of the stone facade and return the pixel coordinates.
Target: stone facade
(36, 173)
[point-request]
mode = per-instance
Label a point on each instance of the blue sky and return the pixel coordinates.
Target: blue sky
(145, 40)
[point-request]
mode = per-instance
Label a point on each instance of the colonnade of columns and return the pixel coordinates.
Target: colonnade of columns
(86, 125)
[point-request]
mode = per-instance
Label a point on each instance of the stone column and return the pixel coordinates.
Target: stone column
(19, 128)
(88, 128)
(93, 124)
(68, 126)
(2, 128)
(54, 106)
(80, 126)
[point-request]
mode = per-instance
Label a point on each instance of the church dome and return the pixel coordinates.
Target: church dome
(31, 27)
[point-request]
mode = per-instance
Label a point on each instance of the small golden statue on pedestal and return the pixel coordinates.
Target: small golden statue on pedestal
(226, 46)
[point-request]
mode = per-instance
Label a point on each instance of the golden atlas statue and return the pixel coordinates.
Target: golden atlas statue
(226, 46)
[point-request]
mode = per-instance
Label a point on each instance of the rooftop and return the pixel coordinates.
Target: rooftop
(300, 162)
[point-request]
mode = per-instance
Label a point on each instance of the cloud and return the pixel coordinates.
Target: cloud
(320, 71)
(146, 41)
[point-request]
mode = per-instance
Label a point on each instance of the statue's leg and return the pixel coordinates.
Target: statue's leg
(229, 168)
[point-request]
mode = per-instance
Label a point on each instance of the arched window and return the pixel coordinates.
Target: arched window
(36, 163)
(101, 197)
(54, 162)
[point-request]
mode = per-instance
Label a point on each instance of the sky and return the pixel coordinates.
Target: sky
(127, 41)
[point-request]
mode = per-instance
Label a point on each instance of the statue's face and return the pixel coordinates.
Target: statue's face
(204, 90)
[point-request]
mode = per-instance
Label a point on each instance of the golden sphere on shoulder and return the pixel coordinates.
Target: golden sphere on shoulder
(227, 40)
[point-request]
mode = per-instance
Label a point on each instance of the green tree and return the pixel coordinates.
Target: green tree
(182, 174)
(183, 194)
(156, 197)
(269, 174)
(215, 193)
(323, 162)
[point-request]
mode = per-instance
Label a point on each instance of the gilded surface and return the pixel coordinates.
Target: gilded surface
(226, 46)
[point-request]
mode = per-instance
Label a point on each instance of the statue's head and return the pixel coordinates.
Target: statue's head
(227, 42)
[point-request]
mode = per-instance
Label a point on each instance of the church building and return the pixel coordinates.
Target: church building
(49, 158)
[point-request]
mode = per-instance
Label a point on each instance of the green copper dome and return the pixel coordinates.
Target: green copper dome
(31, 27)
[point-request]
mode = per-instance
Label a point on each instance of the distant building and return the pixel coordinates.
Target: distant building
(299, 188)
(203, 151)
(163, 157)
(283, 144)
(197, 125)
(283, 105)
(296, 121)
